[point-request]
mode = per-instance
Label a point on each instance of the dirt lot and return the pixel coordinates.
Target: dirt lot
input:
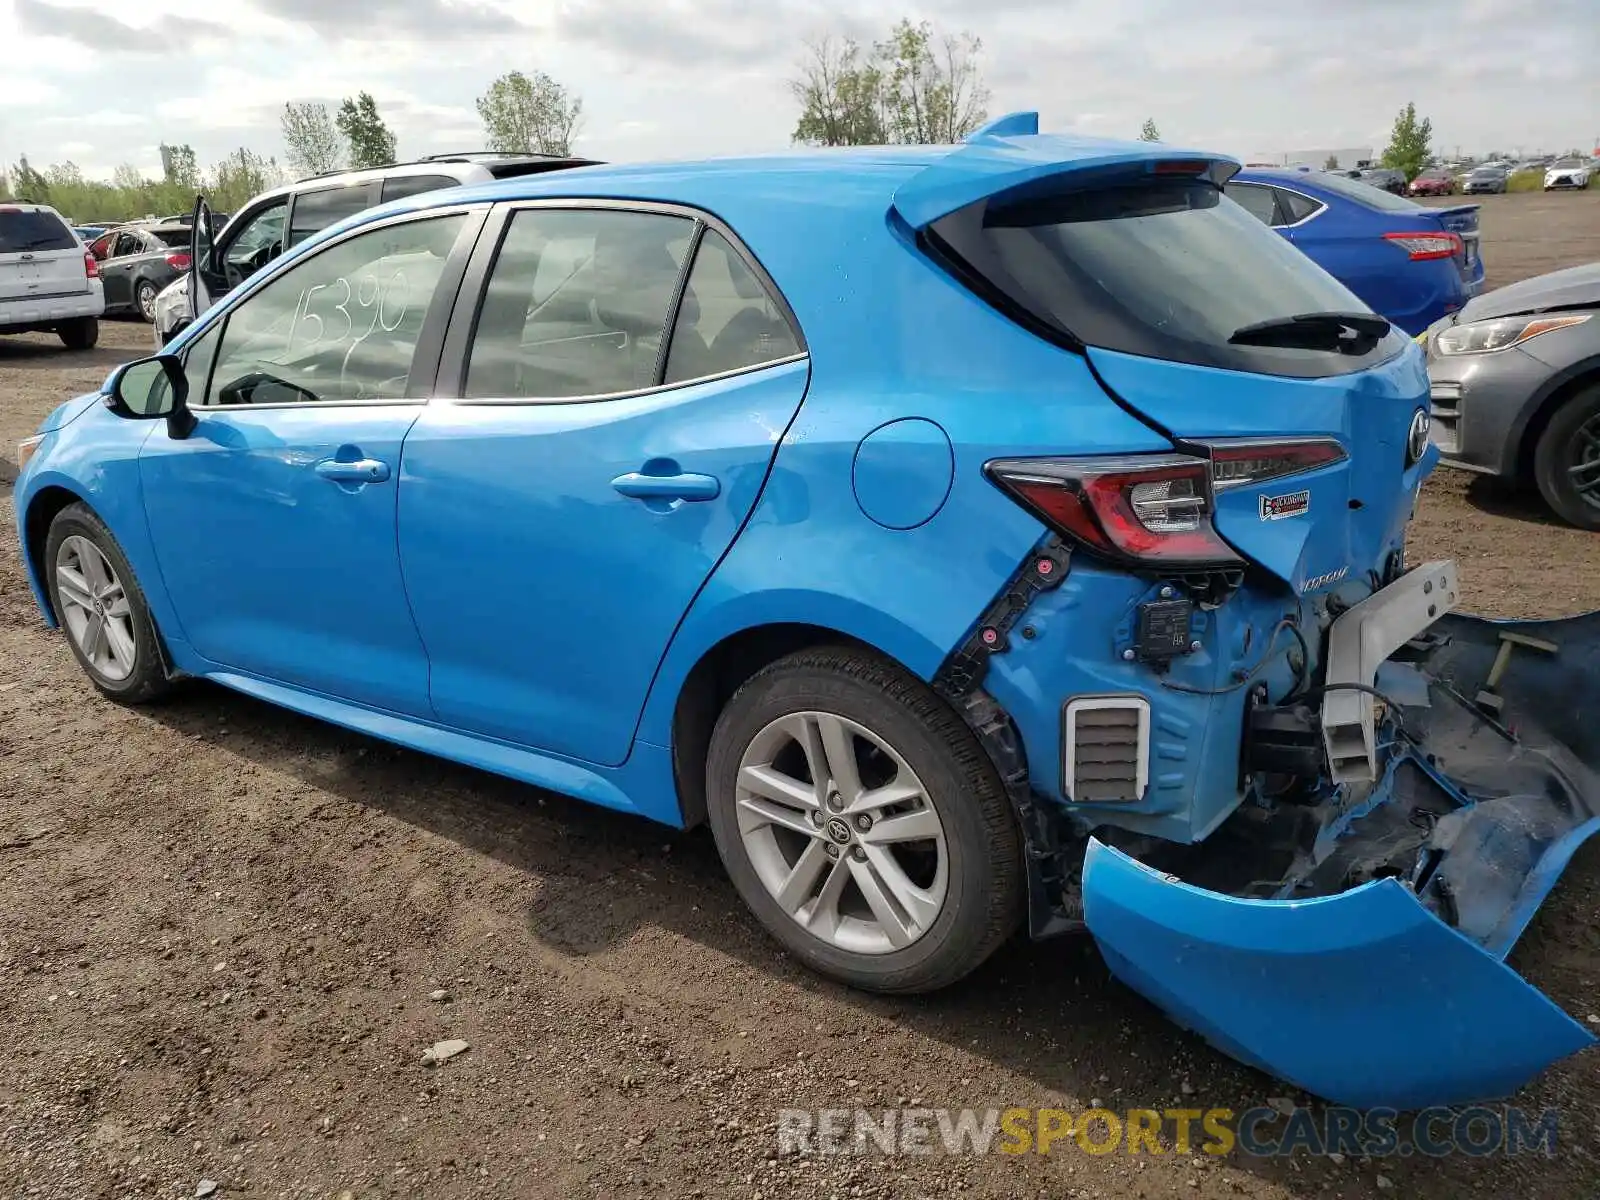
(220, 926)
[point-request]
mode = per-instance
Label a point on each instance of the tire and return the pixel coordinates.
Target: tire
(144, 300)
(80, 333)
(897, 731)
(145, 678)
(1560, 448)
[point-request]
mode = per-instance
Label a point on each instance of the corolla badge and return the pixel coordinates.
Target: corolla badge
(1322, 581)
(1417, 438)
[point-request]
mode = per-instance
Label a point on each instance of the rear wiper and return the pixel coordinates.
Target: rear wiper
(1344, 332)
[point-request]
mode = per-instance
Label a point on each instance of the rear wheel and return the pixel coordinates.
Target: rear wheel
(80, 333)
(144, 298)
(862, 823)
(1566, 462)
(101, 608)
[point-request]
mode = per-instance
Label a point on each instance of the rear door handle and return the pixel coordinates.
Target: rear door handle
(362, 470)
(639, 486)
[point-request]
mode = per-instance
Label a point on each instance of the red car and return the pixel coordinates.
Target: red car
(1433, 182)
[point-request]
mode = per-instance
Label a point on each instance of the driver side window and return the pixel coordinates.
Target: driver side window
(341, 326)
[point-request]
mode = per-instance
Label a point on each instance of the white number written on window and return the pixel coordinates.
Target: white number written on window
(323, 316)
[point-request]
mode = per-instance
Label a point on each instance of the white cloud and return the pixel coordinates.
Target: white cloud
(666, 78)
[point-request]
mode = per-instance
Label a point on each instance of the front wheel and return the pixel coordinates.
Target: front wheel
(101, 608)
(863, 824)
(1566, 461)
(80, 333)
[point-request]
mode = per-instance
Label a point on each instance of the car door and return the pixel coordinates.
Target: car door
(561, 511)
(274, 519)
(217, 265)
(116, 271)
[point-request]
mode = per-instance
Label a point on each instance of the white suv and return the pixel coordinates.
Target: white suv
(48, 281)
(255, 235)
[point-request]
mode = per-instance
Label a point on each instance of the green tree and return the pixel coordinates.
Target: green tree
(371, 144)
(529, 114)
(30, 186)
(1408, 149)
(840, 93)
(931, 87)
(239, 177)
(179, 168)
(1331, 163)
(1149, 133)
(311, 143)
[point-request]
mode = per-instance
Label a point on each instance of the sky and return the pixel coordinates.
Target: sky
(102, 83)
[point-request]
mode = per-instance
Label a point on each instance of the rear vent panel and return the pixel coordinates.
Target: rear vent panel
(1105, 749)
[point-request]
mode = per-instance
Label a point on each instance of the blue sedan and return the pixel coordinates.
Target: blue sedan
(973, 537)
(1408, 262)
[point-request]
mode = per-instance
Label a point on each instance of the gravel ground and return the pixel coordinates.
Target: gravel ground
(222, 926)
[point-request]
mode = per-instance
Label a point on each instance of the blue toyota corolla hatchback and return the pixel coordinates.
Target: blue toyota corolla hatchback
(1410, 262)
(974, 536)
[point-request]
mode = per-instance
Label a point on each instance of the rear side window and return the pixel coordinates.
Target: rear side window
(727, 320)
(1163, 269)
(1365, 193)
(577, 304)
(29, 231)
(1297, 206)
(315, 211)
(400, 186)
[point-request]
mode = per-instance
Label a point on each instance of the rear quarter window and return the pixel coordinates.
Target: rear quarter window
(400, 186)
(1166, 269)
(31, 230)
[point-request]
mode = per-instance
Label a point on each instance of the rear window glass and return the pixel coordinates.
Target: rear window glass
(1166, 269)
(173, 237)
(31, 230)
(1364, 193)
(315, 211)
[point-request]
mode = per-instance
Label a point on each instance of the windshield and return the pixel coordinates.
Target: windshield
(24, 229)
(1168, 269)
(1568, 162)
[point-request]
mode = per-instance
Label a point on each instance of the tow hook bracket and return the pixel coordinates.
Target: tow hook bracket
(1358, 643)
(1489, 698)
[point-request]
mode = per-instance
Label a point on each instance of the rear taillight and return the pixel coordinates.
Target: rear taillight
(1424, 246)
(1155, 510)
(1236, 462)
(178, 261)
(90, 267)
(1150, 509)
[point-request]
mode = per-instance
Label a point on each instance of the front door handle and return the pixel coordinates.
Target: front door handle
(639, 486)
(362, 470)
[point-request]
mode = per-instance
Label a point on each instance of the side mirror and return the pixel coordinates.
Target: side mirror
(151, 388)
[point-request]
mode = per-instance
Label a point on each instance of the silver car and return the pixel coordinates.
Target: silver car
(1516, 387)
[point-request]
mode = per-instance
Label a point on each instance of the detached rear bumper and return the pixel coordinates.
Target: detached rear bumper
(1355, 947)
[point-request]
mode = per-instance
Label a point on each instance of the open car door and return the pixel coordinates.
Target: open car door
(201, 247)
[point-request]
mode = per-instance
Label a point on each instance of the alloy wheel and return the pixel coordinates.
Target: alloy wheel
(1583, 461)
(95, 609)
(842, 833)
(147, 302)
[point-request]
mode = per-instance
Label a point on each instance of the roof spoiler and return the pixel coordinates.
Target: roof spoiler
(1009, 153)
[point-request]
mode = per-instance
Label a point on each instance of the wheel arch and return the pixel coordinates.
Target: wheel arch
(716, 675)
(43, 508)
(1559, 389)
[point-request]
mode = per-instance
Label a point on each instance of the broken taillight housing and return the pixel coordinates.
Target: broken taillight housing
(1155, 510)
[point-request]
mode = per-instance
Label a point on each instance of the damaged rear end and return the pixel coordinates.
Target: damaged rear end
(1301, 804)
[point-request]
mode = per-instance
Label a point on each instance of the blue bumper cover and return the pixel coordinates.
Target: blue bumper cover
(1372, 974)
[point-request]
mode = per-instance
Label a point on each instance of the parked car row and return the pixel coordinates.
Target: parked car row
(1123, 476)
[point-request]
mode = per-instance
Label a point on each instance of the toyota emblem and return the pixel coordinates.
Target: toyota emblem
(1417, 439)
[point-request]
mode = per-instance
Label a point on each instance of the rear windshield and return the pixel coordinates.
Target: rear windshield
(173, 237)
(1363, 193)
(1168, 269)
(29, 229)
